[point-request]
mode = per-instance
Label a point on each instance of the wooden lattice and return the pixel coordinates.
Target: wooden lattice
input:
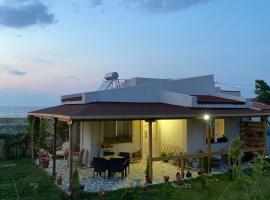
(252, 133)
(172, 149)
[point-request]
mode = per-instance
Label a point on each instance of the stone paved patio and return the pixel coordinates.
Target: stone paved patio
(97, 184)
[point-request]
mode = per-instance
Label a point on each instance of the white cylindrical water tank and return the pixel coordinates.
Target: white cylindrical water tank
(111, 76)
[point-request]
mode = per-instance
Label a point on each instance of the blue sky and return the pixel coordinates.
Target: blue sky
(55, 47)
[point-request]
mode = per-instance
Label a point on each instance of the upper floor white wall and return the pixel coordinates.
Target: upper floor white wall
(148, 90)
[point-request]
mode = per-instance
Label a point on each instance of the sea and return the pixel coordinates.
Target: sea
(16, 111)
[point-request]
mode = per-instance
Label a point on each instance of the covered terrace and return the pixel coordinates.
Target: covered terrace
(149, 112)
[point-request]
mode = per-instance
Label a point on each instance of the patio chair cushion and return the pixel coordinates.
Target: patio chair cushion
(63, 149)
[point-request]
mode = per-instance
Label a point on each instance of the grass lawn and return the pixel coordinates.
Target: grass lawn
(33, 183)
(29, 181)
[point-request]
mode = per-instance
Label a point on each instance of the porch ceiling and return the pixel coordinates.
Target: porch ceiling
(109, 110)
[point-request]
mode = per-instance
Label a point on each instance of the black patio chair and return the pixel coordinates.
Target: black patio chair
(108, 153)
(100, 166)
(118, 165)
(126, 155)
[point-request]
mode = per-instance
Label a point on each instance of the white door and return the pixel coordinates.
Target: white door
(145, 139)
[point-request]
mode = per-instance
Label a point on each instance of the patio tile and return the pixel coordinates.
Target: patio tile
(96, 184)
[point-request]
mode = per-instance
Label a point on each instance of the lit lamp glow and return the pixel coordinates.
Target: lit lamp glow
(206, 117)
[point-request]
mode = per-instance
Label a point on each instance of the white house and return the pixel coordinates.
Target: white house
(120, 113)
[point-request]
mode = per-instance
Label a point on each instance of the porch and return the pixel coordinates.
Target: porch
(200, 134)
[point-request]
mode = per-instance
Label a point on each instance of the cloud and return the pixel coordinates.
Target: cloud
(95, 3)
(156, 6)
(25, 13)
(164, 6)
(17, 73)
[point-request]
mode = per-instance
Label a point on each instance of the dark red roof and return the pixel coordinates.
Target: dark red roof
(108, 110)
(261, 106)
(208, 99)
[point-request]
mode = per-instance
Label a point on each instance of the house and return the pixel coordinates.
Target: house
(186, 118)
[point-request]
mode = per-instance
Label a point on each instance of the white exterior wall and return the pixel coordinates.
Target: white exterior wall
(173, 132)
(91, 137)
(196, 136)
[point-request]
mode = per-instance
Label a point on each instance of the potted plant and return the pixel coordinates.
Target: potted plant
(43, 158)
(166, 179)
(59, 180)
(163, 154)
(188, 174)
(137, 155)
(223, 138)
(147, 177)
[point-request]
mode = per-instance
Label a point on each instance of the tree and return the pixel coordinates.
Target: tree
(262, 89)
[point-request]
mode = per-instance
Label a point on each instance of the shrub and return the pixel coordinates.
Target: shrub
(75, 181)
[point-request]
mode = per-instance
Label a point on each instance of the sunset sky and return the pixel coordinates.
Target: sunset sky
(53, 47)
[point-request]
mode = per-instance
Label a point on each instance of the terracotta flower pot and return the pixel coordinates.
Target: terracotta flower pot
(45, 162)
(166, 179)
(147, 179)
(59, 180)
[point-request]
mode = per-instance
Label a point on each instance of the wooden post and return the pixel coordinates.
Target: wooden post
(40, 131)
(264, 123)
(32, 136)
(70, 127)
(209, 133)
(182, 168)
(150, 153)
(54, 147)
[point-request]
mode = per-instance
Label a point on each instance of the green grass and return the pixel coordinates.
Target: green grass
(31, 182)
(26, 174)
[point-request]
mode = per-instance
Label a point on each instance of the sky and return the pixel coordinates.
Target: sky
(49, 48)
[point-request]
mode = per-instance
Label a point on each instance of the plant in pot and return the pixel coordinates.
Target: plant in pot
(163, 154)
(137, 155)
(59, 180)
(223, 138)
(166, 179)
(43, 158)
(188, 174)
(147, 177)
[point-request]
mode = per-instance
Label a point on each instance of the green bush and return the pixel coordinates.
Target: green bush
(75, 181)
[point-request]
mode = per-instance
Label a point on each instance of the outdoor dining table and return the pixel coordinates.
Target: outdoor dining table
(108, 158)
(111, 156)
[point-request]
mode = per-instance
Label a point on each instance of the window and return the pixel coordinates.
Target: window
(218, 131)
(109, 128)
(117, 131)
(218, 128)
